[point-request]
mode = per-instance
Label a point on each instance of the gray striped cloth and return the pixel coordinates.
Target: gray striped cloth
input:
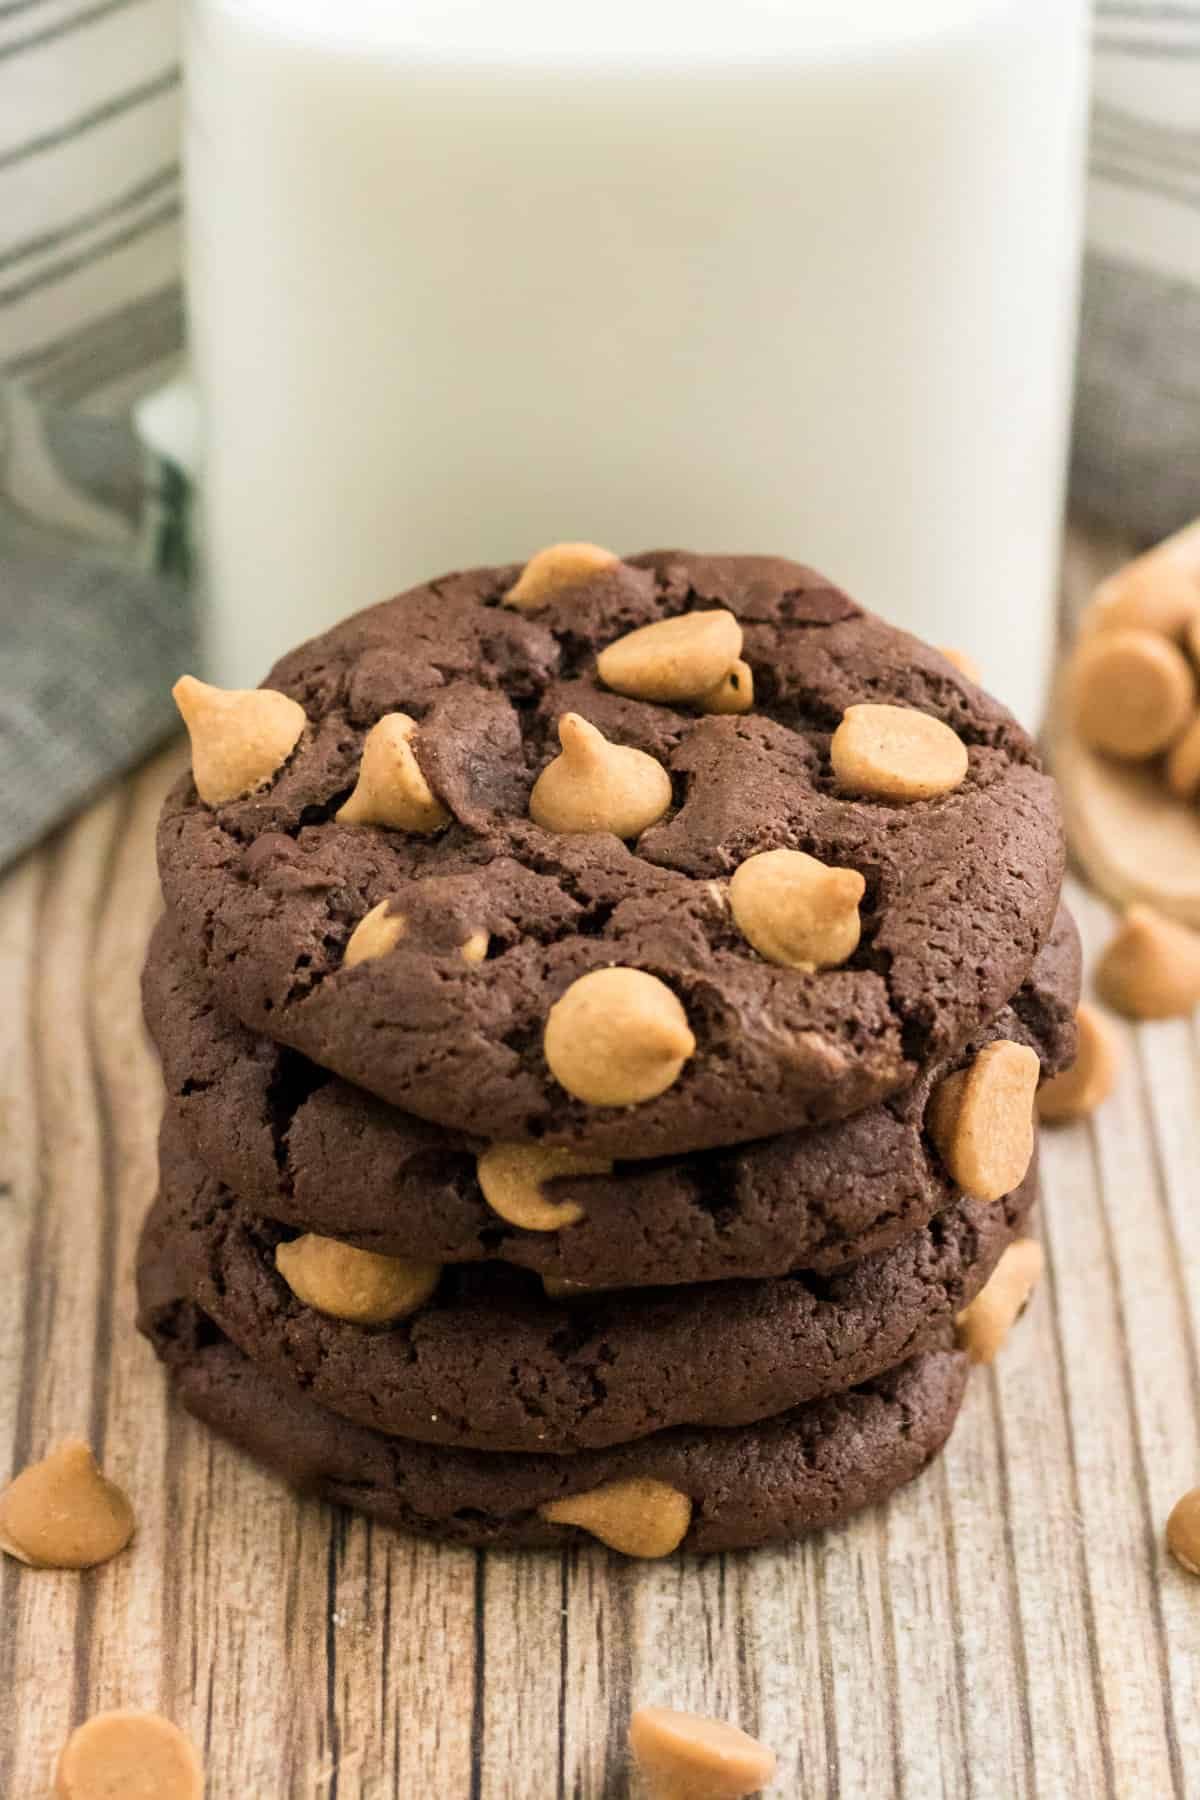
(94, 616)
(1136, 460)
(94, 619)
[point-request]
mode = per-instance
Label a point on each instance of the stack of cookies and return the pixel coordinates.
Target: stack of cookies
(601, 1007)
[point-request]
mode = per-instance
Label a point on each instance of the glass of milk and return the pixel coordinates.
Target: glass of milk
(472, 276)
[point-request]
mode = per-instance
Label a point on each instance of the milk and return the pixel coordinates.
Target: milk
(469, 278)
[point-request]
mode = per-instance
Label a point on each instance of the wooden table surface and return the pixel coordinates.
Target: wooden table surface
(1009, 1626)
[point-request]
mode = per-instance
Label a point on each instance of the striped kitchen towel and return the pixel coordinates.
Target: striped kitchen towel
(1137, 422)
(94, 620)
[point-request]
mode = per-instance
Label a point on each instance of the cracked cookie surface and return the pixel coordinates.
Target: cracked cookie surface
(961, 890)
(313, 1151)
(490, 1363)
(758, 1484)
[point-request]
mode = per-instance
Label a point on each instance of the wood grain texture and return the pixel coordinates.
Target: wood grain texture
(1010, 1627)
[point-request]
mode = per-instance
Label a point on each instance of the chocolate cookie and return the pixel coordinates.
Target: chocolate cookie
(489, 919)
(755, 1485)
(489, 1363)
(309, 1149)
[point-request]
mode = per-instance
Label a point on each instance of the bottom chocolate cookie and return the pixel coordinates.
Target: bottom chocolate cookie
(686, 1489)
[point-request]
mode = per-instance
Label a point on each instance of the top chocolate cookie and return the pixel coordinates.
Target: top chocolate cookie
(504, 856)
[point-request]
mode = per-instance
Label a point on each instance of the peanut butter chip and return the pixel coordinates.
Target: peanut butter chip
(62, 1513)
(1154, 593)
(1151, 968)
(380, 930)
(1183, 762)
(128, 1756)
(511, 1177)
(555, 569)
(795, 910)
(240, 737)
(735, 694)
(1130, 692)
(639, 1517)
(987, 1321)
(684, 1756)
(982, 1120)
(964, 662)
(391, 789)
(1192, 633)
(896, 753)
(1080, 1089)
(1183, 1531)
(376, 933)
(598, 786)
(617, 1037)
(351, 1284)
(679, 659)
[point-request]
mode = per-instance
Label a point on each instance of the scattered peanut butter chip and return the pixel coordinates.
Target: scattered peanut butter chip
(796, 911)
(240, 737)
(1183, 1531)
(1150, 969)
(1081, 1088)
(552, 570)
(597, 786)
(474, 949)
(896, 753)
(733, 694)
(984, 1325)
(1129, 693)
(680, 659)
(62, 1513)
(964, 662)
(684, 1756)
(391, 790)
(638, 1517)
(982, 1120)
(356, 1285)
(1153, 593)
(511, 1177)
(1183, 762)
(376, 933)
(125, 1755)
(617, 1037)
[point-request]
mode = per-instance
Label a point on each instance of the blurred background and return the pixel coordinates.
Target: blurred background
(100, 464)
